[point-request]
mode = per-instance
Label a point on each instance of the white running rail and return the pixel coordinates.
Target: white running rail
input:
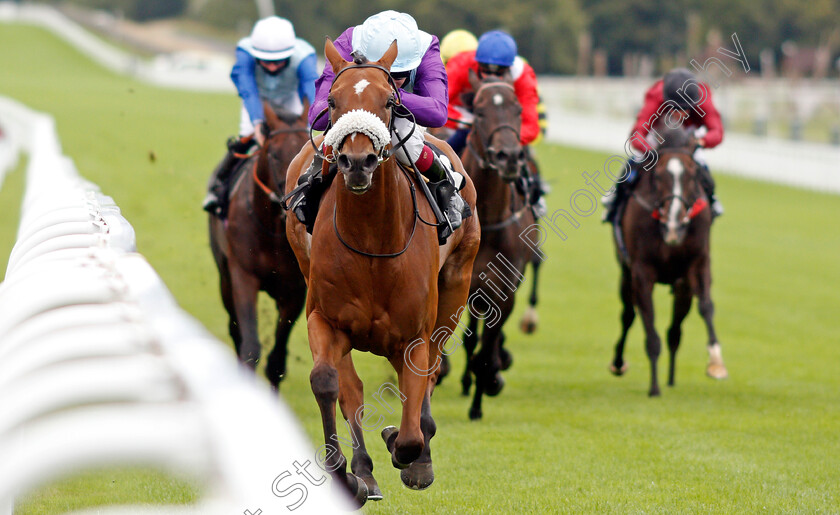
(99, 366)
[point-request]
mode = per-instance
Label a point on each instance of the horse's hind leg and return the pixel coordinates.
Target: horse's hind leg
(288, 310)
(350, 400)
(528, 324)
(227, 299)
(682, 305)
(628, 314)
(715, 369)
(328, 347)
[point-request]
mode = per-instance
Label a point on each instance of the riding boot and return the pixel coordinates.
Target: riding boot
(454, 208)
(708, 184)
(305, 207)
(218, 188)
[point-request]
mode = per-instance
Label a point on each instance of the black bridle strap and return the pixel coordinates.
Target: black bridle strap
(410, 236)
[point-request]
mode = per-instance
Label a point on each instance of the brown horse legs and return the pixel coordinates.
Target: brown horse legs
(682, 305)
(351, 402)
(628, 314)
(328, 347)
(244, 288)
(288, 310)
(643, 297)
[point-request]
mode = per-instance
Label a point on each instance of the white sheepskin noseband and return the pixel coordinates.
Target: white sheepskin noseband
(359, 120)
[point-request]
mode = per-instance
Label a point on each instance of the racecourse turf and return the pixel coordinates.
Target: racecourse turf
(564, 435)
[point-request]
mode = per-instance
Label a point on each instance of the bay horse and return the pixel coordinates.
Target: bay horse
(494, 158)
(251, 250)
(663, 237)
(378, 280)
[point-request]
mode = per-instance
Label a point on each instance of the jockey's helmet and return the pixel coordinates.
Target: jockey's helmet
(496, 48)
(273, 39)
(457, 41)
(676, 80)
(373, 37)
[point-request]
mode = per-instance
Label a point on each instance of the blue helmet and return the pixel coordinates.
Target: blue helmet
(496, 47)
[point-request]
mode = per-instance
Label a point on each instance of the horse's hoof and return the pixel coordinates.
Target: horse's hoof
(506, 358)
(496, 386)
(717, 371)
(389, 435)
(418, 476)
(475, 414)
(358, 489)
(374, 493)
(654, 392)
(618, 371)
(528, 324)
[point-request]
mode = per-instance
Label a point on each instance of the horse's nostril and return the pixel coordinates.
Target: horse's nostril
(371, 161)
(343, 162)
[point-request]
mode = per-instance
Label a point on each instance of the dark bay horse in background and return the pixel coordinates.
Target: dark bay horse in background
(251, 249)
(494, 158)
(665, 227)
(378, 280)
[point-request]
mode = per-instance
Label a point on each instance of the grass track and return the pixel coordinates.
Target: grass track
(564, 436)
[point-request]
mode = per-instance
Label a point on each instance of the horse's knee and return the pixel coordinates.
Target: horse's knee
(707, 308)
(324, 382)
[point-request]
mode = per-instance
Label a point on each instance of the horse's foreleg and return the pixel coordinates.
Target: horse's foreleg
(643, 292)
(227, 299)
(288, 310)
(244, 289)
(351, 402)
(470, 343)
(682, 305)
(715, 369)
(328, 347)
(628, 314)
(420, 474)
(409, 442)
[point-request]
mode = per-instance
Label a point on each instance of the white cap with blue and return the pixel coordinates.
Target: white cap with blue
(373, 37)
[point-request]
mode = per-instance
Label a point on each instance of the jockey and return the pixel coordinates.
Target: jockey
(419, 73)
(693, 102)
(455, 42)
(272, 66)
(495, 55)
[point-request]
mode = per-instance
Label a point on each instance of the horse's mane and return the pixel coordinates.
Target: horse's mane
(675, 138)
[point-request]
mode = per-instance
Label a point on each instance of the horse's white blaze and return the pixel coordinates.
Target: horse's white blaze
(360, 86)
(498, 99)
(675, 166)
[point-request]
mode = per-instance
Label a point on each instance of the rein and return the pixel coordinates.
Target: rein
(410, 237)
(655, 209)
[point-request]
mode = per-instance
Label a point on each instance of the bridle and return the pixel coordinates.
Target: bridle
(272, 196)
(394, 104)
(484, 142)
(655, 208)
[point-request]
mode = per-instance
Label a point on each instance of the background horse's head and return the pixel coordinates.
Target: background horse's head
(497, 124)
(286, 133)
(678, 197)
(360, 102)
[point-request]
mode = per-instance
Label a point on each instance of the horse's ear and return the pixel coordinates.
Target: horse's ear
(271, 118)
(336, 61)
(389, 56)
(475, 82)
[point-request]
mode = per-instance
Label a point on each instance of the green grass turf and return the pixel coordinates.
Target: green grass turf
(564, 435)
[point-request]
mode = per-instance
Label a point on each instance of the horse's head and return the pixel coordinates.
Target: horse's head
(286, 133)
(497, 124)
(678, 195)
(361, 100)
